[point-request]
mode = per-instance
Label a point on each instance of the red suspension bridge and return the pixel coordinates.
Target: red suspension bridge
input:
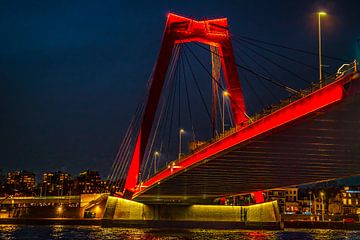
(310, 135)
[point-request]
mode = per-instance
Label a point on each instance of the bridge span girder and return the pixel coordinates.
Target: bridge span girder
(320, 144)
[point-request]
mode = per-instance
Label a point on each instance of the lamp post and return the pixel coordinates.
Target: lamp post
(322, 206)
(181, 131)
(225, 94)
(156, 154)
(320, 47)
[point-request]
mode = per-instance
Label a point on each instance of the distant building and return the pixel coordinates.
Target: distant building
(88, 182)
(318, 204)
(305, 205)
(113, 187)
(350, 198)
(291, 194)
(287, 198)
(291, 200)
(56, 184)
(335, 205)
(21, 182)
(2, 184)
(277, 194)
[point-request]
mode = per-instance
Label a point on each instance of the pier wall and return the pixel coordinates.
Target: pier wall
(121, 211)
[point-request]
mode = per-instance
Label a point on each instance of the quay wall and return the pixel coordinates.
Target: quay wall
(124, 212)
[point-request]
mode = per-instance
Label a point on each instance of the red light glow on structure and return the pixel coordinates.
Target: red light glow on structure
(180, 30)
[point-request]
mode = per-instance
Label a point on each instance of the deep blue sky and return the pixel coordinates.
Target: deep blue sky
(72, 72)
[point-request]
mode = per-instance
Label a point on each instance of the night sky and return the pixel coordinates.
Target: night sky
(73, 72)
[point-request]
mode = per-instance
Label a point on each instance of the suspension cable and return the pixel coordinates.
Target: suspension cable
(278, 65)
(291, 48)
(188, 99)
(197, 86)
(257, 77)
(278, 54)
(161, 113)
(287, 88)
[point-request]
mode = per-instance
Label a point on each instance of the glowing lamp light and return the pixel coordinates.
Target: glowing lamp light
(322, 13)
(59, 209)
(97, 209)
(182, 130)
(226, 93)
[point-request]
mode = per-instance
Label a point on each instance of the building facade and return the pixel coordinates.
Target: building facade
(20, 182)
(56, 184)
(350, 199)
(88, 182)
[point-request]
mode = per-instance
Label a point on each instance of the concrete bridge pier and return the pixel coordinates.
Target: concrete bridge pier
(126, 213)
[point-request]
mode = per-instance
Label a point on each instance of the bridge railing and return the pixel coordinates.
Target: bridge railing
(350, 68)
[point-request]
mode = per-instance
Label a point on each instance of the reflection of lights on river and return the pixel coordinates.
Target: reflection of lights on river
(7, 231)
(58, 231)
(258, 234)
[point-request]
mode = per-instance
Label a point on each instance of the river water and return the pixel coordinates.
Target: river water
(29, 232)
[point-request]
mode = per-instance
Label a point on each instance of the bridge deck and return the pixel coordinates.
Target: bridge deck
(312, 139)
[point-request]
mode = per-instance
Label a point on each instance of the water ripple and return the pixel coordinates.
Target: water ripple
(29, 232)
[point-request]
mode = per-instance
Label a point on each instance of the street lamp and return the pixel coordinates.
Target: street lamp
(59, 210)
(319, 39)
(225, 94)
(181, 131)
(156, 154)
(322, 206)
(310, 202)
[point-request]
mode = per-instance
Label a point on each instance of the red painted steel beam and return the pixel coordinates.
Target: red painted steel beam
(321, 98)
(180, 30)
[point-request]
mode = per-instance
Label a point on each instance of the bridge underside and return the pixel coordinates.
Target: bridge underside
(324, 145)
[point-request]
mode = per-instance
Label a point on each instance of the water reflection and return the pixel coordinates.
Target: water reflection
(8, 232)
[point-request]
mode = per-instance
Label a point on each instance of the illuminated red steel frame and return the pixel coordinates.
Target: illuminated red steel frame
(179, 30)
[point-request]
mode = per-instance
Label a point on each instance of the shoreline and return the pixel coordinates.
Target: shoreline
(180, 224)
(51, 221)
(322, 225)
